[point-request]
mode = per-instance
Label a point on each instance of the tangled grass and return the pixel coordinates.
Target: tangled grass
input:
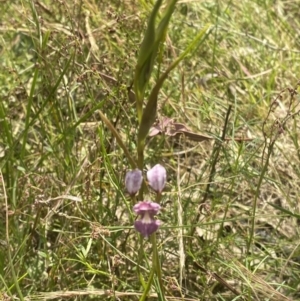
(231, 209)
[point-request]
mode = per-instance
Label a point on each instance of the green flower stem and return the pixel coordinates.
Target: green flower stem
(156, 268)
(140, 258)
(140, 163)
(156, 263)
(158, 198)
(147, 289)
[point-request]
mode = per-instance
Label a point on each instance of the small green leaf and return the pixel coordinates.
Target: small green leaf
(149, 113)
(148, 52)
(145, 60)
(288, 212)
(163, 24)
(149, 38)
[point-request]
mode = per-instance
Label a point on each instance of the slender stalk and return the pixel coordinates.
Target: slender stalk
(215, 155)
(156, 263)
(260, 180)
(140, 163)
(147, 289)
(13, 272)
(118, 138)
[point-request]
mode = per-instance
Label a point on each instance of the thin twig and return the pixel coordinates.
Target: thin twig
(16, 282)
(215, 155)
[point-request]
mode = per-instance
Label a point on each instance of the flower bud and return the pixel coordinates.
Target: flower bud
(133, 181)
(157, 177)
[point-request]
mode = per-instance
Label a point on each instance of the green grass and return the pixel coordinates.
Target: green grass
(231, 208)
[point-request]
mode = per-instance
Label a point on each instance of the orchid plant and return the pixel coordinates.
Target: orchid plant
(147, 224)
(152, 43)
(156, 176)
